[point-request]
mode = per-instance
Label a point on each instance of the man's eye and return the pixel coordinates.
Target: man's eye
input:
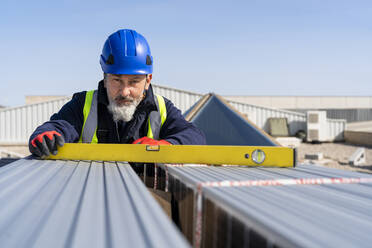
(133, 82)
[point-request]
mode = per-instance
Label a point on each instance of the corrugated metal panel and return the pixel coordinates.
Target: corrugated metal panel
(337, 215)
(336, 129)
(181, 99)
(350, 115)
(305, 102)
(259, 116)
(17, 124)
(80, 204)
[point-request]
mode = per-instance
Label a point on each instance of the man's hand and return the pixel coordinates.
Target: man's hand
(46, 143)
(149, 141)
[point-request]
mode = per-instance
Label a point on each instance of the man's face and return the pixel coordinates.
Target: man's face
(125, 92)
(125, 89)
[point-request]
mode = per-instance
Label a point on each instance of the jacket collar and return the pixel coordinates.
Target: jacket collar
(147, 104)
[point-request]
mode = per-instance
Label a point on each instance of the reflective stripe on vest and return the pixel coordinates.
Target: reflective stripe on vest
(88, 132)
(155, 121)
(156, 118)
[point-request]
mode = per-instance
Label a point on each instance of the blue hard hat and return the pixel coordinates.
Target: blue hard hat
(126, 52)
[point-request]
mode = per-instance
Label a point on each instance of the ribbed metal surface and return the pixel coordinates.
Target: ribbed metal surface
(350, 115)
(181, 99)
(79, 204)
(336, 129)
(17, 124)
(307, 102)
(337, 215)
(259, 116)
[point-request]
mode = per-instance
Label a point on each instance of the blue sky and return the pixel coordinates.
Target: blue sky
(251, 47)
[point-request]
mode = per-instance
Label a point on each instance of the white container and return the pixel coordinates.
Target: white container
(317, 128)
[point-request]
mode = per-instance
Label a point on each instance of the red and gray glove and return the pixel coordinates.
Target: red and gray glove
(149, 141)
(46, 143)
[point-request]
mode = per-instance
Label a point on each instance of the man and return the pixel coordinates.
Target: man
(124, 109)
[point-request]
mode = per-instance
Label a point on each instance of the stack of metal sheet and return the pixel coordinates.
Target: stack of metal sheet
(298, 215)
(80, 204)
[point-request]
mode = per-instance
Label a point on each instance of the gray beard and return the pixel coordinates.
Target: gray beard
(123, 113)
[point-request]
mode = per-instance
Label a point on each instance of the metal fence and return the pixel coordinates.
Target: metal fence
(17, 124)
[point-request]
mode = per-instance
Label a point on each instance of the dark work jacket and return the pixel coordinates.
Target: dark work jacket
(69, 122)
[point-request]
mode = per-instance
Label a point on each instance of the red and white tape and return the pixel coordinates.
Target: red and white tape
(177, 165)
(285, 182)
(260, 183)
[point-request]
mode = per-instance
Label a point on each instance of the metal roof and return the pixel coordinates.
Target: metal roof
(80, 204)
(329, 215)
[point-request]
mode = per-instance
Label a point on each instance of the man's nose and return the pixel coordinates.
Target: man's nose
(125, 91)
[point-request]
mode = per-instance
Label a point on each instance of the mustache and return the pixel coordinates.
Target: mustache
(123, 98)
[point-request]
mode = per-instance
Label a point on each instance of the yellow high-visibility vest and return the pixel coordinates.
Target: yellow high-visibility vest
(155, 120)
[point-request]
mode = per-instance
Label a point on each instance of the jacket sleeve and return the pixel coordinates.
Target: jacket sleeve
(68, 121)
(178, 131)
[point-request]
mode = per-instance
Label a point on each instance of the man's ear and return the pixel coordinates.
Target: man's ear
(148, 81)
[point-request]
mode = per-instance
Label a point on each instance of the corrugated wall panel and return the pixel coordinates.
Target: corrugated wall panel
(296, 121)
(17, 124)
(351, 115)
(336, 129)
(181, 99)
(12, 130)
(304, 102)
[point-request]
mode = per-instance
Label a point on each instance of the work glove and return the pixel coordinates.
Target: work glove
(46, 143)
(149, 141)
